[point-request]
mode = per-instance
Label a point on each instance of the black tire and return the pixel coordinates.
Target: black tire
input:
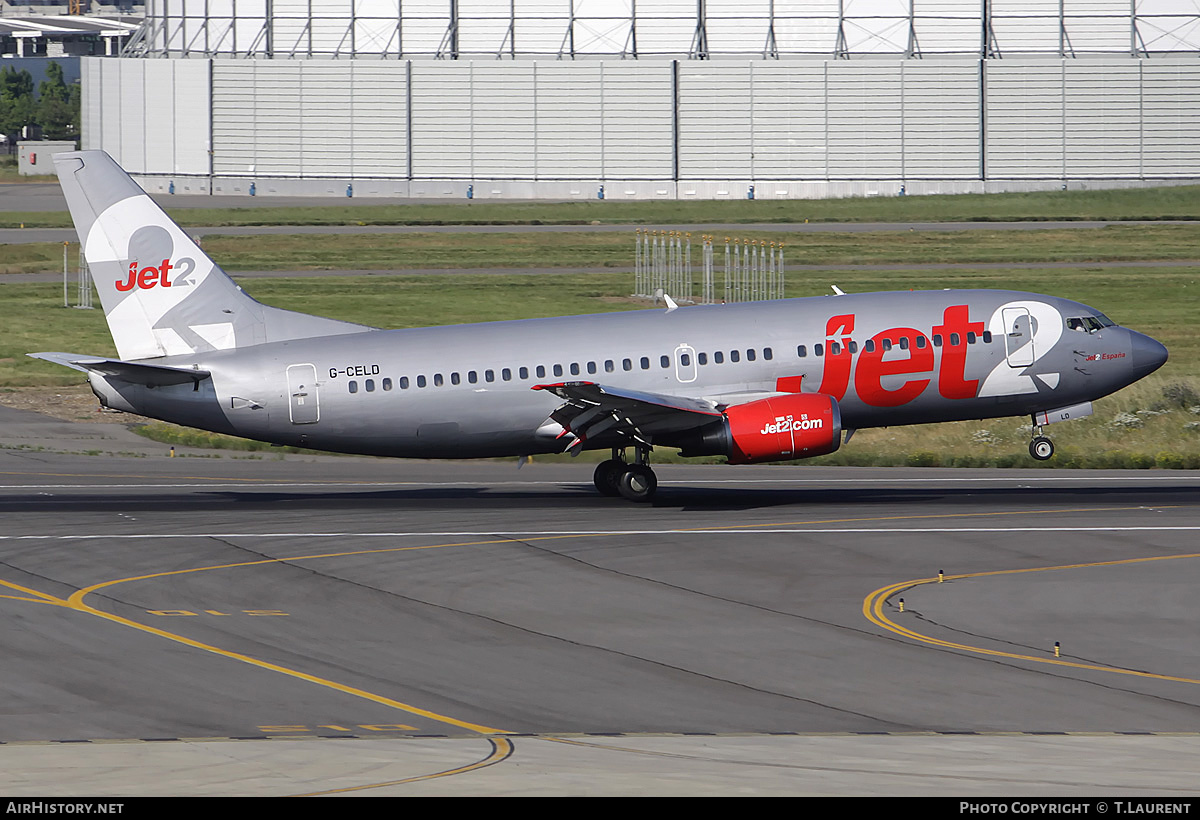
(1041, 448)
(638, 483)
(607, 477)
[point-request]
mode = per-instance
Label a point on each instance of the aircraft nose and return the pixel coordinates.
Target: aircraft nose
(1148, 354)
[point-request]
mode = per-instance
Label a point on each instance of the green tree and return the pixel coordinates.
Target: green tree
(17, 105)
(58, 105)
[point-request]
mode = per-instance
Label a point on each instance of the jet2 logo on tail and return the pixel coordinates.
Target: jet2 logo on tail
(153, 276)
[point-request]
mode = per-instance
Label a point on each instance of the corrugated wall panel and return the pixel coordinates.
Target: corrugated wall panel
(132, 82)
(1024, 119)
(325, 118)
(715, 133)
(92, 90)
(193, 113)
(941, 119)
(442, 139)
(234, 114)
(159, 87)
(502, 119)
(569, 120)
(1103, 119)
(379, 130)
(278, 116)
(744, 120)
(865, 111)
(1171, 125)
(638, 120)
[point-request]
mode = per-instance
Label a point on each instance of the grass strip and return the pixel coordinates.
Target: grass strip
(1171, 202)
(592, 249)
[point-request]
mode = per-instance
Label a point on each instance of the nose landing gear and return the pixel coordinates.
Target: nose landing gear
(635, 482)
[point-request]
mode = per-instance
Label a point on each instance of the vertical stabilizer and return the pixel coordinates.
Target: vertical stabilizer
(161, 294)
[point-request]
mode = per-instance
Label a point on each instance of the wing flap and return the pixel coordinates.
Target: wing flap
(591, 410)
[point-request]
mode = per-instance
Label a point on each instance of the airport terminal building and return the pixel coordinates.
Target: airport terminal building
(651, 99)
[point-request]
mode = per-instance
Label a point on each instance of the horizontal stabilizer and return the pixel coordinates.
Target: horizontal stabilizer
(151, 375)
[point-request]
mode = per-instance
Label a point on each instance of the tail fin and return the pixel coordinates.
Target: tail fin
(161, 294)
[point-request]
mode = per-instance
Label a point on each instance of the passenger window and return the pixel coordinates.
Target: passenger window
(387, 384)
(734, 356)
(869, 345)
(420, 381)
(769, 354)
(853, 346)
(665, 361)
(904, 343)
(719, 357)
(591, 368)
(801, 351)
(645, 363)
(574, 368)
(987, 337)
(627, 364)
(685, 360)
(922, 343)
(370, 384)
(702, 358)
(472, 376)
(506, 374)
(751, 355)
(437, 379)
(489, 375)
(455, 378)
(971, 338)
(541, 371)
(818, 350)
(353, 386)
(955, 340)
(937, 340)
(523, 373)
(609, 366)
(558, 371)
(835, 349)
(404, 382)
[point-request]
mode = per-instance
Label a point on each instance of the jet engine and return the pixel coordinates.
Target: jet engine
(780, 428)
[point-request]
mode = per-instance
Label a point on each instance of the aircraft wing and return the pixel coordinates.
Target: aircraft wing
(591, 410)
(151, 375)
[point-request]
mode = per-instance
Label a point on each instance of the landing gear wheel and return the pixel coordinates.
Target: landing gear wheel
(637, 483)
(1041, 448)
(607, 477)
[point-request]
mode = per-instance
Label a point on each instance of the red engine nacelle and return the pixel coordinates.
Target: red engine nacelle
(797, 425)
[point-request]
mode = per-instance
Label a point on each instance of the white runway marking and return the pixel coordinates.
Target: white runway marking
(542, 533)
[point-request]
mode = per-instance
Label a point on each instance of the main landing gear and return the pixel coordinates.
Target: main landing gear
(1040, 447)
(617, 477)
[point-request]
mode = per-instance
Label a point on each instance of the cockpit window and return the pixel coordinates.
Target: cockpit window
(1089, 324)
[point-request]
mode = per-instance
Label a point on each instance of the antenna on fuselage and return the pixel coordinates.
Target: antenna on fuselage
(837, 291)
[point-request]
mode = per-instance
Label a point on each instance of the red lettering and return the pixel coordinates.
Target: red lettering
(871, 370)
(952, 381)
(835, 378)
(147, 278)
(127, 285)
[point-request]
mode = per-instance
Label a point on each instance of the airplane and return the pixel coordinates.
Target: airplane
(754, 382)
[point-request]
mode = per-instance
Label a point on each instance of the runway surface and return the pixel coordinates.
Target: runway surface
(467, 628)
